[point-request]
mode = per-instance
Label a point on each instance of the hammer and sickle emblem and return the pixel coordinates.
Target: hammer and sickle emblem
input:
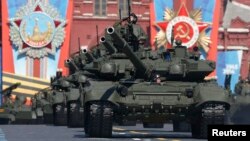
(181, 33)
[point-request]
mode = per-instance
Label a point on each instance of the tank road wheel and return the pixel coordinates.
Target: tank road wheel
(210, 114)
(181, 126)
(5, 121)
(124, 122)
(39, 120)
(48, 118)
(98, 119)
(74, 115)
(59, 116)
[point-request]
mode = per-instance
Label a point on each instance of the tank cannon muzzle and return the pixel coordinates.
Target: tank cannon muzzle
(71, 63)
(102, 39)
(89, 56)
(111, 49)
(84, 50)
(110, 30)
(68, 61)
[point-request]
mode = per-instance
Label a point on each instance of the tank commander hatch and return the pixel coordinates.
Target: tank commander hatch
(180, 51)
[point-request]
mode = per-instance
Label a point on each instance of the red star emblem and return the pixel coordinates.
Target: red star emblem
(185, 28)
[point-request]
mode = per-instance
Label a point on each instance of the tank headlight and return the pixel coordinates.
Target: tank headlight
(189, 93)
(122, 91)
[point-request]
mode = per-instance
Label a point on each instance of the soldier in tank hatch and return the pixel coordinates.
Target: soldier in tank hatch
(196, 53)
(137, 37)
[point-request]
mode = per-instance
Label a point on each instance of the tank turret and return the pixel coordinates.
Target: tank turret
(180, 67)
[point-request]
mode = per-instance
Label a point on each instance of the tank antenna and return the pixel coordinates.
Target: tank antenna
(79, 45)
(172, 36)
(129, 11)
(97, 36)
(120, 13)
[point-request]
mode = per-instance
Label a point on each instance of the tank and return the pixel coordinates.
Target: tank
(24, 114)
(75, 99)
(59, 87)
(240, 103)
(14, 110)
(42, 105)
(86, 66)
(6, 117)
(136, 84)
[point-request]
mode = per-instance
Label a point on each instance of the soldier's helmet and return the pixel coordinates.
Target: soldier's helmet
(178, 42)
(133, 18)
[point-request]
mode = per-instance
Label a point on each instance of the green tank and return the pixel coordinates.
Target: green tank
(6, 116)
(87, 64)
(42, 105)
(24, 114)
(59, 87)
(137, 84)
(15, 111)
(75, 99)
(240, 103)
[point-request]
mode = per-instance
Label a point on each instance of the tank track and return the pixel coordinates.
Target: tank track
(74, 115)
(5, 121)
(98, 119)
(48, 118)
(181, 126)
(211, 113)
(59, 115)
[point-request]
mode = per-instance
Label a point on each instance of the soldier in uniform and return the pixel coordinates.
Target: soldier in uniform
(243, 87)
(133, 33)
(246, 88)
(238, 86)
(136, 36)
(196, 53)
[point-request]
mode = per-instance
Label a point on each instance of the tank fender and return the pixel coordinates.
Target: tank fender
(73, 95)
(47, 109)
(210, 94)
(8, 116)
(58, 97)
(107, 95)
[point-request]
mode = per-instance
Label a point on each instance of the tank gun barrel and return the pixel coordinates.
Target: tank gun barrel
(108, 45)
(124, 46)
(89, 56)
(7, 91)
(70, 62)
